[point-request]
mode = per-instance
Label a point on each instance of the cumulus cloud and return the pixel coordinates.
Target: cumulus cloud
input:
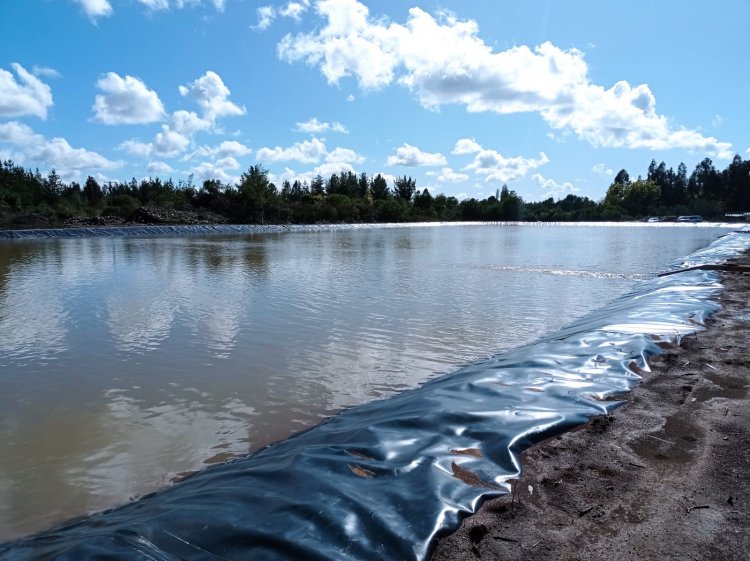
(169, 143)
(18, 134)
(447, 175)
(222, 150)
(126, 101)
(411, 156)
(266, 15)
(135, 147)
(177, 134)
(23, 96)
(295, 10)
(95, 8)
(466, 146)
(212, 96)
(496, 167)
(603, 170)
(157, 5)
(442, 60)
(188, 122)
(345, 156)
(552, 187)
(306, 152)
(159, 167)
(35, 149)
(313, 126)
(224, 169)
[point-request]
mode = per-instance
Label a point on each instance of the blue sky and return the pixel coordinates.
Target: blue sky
(550, 97)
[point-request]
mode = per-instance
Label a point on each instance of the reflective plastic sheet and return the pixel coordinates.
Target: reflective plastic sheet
(382, 480)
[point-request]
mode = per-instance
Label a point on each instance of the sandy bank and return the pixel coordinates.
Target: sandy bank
(665, 477)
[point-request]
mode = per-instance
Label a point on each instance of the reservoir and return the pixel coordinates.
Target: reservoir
(128, 363)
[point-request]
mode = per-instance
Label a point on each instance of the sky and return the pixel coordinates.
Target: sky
(550, 97)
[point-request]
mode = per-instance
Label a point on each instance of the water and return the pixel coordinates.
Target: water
(127, 362)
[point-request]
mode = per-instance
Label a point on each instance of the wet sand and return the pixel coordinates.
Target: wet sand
(667, 476)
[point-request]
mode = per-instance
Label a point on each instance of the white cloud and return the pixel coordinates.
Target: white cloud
(27, 96)
(747, 151)
(159, 167)
(466, 146)
(18, 134)
(223, 150)
(496, 167)
(177, 134)
(266, 15)
(411, 156)
(313, 126)
(35, 150)
(603, 170)
(157, 5)
(447, 175)
(69, 161)
(212, 96)
(188, 122)
(135, 147)
(208, 170)
(329, 168)
(169, 143)
(228, 163)
(126, 101)
(102, 8)
(350, 98)
(625, 116)
(552, 187)
(295, 10)
(444, 61)
(344, 155)
(96, 8)
(306, 152)
(45, 71)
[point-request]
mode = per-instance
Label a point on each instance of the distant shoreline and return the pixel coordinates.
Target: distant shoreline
(131, 229)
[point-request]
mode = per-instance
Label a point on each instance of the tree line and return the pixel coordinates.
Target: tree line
(350, 197)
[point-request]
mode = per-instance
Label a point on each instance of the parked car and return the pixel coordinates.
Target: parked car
(690, 218)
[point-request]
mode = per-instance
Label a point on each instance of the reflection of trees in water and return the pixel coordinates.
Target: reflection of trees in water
(141, 284)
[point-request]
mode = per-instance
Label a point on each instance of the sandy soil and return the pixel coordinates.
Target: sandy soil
(665, 477)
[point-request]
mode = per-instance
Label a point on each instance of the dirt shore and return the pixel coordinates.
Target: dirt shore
(667, 476)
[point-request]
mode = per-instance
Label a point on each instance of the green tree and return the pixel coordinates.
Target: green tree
(379, 188)
(405, 187)
(622, 177)
(256, 192)
(92, 191)
(317, 186)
